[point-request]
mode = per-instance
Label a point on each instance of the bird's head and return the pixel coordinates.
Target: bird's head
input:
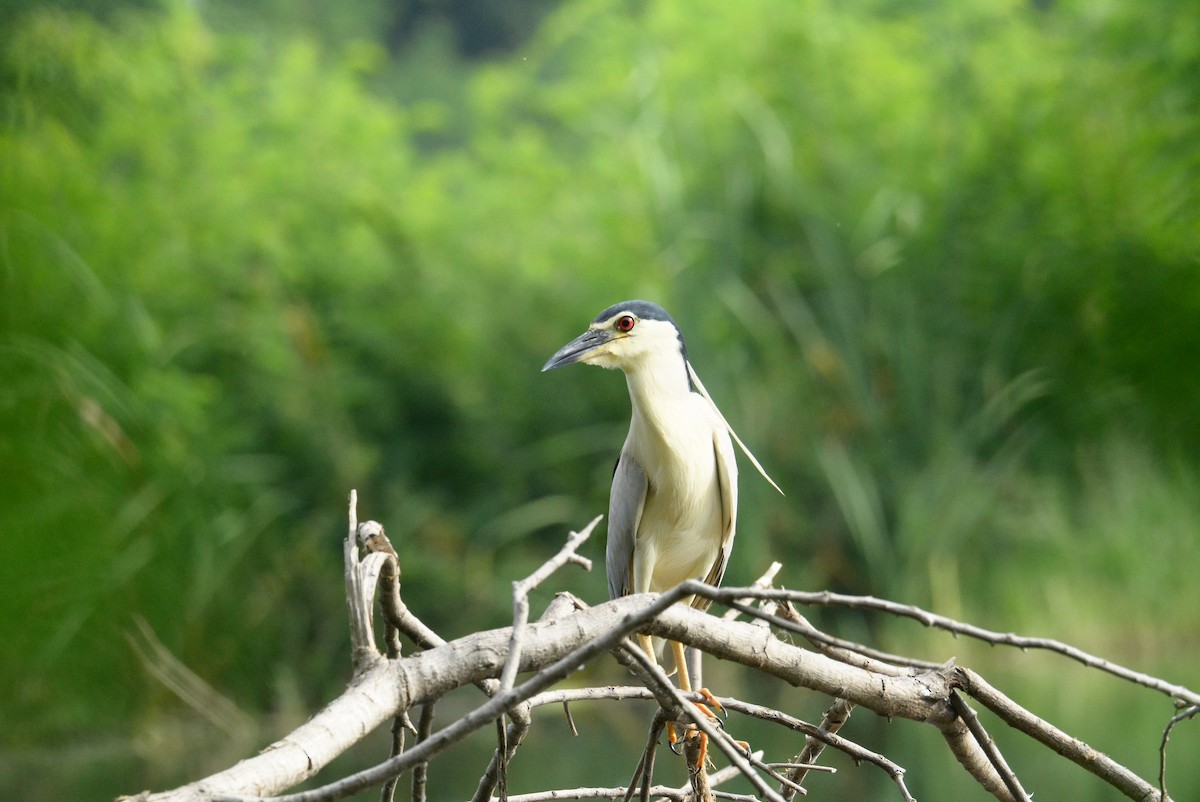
(625, 336)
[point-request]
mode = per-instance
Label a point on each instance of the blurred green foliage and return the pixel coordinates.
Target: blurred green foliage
(936, 261)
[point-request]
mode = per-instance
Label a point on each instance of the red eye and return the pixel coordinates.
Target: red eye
(625, 323)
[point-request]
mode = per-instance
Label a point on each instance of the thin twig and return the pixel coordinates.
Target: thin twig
(617, 693)
(764, 581)
(858, 754)
(510, 739)
(829, 599)
(388, 792)
(803, 767)
(645, 766)
(680, 794)
(420, 780)
(719, 737)
(968, 715)
(833, 720)
(521, 591)
(846, 651)
(770, 769)
(828, 737)
(1041, 730)
(1162, 747)
(657, 684)
(501, 761)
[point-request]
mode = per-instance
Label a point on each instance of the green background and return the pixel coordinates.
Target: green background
(938, 262)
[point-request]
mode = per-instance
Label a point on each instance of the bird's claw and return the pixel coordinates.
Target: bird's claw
(716, 722)
(710, 703)
(673, 739)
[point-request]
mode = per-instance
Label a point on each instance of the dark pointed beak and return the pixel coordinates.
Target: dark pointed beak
(578, 348)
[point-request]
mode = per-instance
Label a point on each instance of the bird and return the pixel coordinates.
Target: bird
(672, 512)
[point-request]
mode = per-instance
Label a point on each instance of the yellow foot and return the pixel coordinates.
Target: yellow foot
(696, 748)
(695, 732)
(673, 737)
(713, 704)
(710, 703)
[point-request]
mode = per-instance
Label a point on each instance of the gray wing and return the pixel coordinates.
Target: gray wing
(727, 484)
(625, 505)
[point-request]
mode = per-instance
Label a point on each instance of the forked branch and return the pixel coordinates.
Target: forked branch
(573, 635)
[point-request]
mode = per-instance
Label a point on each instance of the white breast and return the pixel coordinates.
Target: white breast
(682, 523)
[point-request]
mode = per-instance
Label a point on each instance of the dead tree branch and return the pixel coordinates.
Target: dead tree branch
(828, 599)
(571, 634)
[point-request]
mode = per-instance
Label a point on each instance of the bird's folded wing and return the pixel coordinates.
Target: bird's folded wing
(727, 483)
(625, 505)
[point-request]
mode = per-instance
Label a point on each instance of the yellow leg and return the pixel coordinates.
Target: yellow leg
(648, 647)
(685, 681)
(685, 684)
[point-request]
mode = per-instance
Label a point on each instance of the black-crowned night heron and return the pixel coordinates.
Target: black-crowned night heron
(672, 513)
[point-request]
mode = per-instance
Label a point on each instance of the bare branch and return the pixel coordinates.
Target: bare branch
(1011, 783)
(386, 687)
(822, 735)
(970, 756)
(657, 791)
(521, 596)
(833, 720)
(1162, 748)
(644, 771)
(844, 650)
(828, 599)
(783, 780)
(803, 767)
(718, 737)
(560, 668)
(420, 779)
(656, 682)
(402, 683)
(857, 753)
(889, 685)
(764, 581)
(388, 792)
(1041, 730)
(510, 739)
